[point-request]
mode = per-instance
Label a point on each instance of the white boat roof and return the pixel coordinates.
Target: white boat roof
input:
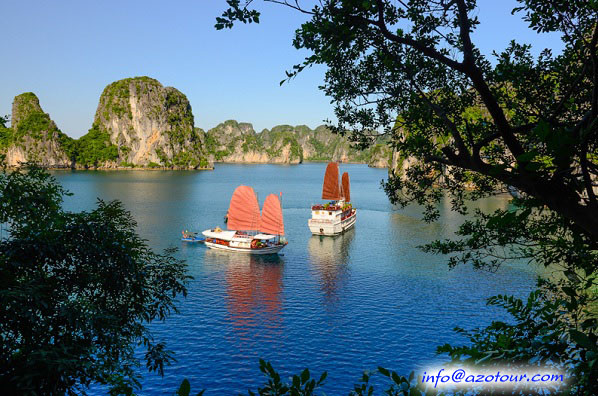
(264, 236)
(225, 235)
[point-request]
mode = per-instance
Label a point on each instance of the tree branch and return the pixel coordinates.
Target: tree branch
(594, 57)
(435, 158)
(476, 76)
(295, 7)
(483, 142)
(463, 151)
(464, 28)
(421, 47)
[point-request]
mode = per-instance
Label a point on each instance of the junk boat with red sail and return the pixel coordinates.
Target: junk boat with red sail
(338, 215)
(249, 231)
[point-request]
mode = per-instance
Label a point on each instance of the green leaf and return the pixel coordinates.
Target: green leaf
(384, 371)
(497, 169)
(322, 378)
(525, 157)
(184, 389)
(414, 392)
(581, 339)
(533, 166)
(304, 376)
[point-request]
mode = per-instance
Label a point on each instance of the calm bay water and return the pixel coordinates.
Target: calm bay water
(341, 305)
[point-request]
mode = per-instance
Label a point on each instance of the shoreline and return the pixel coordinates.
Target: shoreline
(141, 168)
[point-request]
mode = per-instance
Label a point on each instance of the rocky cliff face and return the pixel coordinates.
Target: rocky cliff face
(237, 142)
(231, 141)
(140, 123)
(33, 136)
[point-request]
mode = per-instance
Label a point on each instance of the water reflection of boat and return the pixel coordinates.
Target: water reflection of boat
(253, 289)
(330, 257)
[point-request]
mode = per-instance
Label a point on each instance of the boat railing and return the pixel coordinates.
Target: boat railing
(347, 214)
(326, 221)
(330, 208)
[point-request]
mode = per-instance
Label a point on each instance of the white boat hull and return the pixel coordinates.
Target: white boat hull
(264, 250)
(329, 227)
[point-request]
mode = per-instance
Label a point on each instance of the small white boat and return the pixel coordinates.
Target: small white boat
(248, 231)
(337, 216)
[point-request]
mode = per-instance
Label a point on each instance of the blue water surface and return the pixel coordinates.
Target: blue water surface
(341, 305)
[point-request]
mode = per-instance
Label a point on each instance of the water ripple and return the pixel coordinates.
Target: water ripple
(344, 304)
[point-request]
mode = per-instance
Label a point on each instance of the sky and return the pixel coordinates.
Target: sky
(67, 51)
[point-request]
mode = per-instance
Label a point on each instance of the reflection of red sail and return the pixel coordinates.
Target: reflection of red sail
(346, 187)
(271, 221)
(244, 210)
(330, 189)
(254, 292)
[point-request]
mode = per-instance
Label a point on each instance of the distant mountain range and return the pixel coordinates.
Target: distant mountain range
(141, 124)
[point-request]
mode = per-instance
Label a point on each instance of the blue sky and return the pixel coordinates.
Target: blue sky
(68, 51)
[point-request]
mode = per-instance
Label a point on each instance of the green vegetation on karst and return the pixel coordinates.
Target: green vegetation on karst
(94, 148)
(231, 138)
(184, 146)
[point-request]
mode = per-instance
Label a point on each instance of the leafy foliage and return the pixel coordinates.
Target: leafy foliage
(236, 13)
(303, 384)
(94, 148)
(77, 291)
(5, 132)
(185, 389)
(115, 97)
(540, 335)
(34, 124)
(533, 133)
(473, 127)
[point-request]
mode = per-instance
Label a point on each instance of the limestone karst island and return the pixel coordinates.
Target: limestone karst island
(141, 124)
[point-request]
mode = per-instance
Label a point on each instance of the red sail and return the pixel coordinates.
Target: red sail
(330, 189)
(346, 187)
(244, 210)
(271, 221)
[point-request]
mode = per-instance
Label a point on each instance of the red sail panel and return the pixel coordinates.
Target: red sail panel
(346, 187)
(244, 210)
(330, 189)
(271, 221)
